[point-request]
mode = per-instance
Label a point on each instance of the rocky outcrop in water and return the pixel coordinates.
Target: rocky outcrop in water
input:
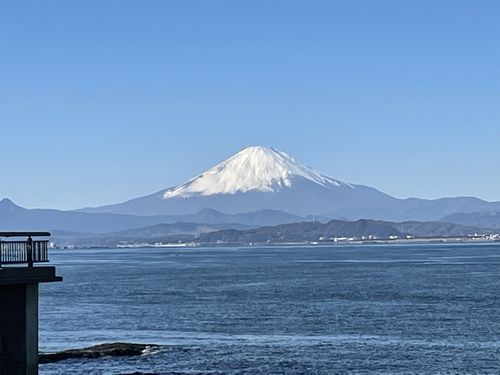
(116, 349)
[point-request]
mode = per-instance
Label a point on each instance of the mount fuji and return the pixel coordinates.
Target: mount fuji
(260, 178)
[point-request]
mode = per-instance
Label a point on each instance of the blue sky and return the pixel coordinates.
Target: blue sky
(102, 101)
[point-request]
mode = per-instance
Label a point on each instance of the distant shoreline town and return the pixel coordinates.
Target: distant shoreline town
(347, 241)
(335, 241)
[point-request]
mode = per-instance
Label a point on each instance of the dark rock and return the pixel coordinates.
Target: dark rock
(116, 349)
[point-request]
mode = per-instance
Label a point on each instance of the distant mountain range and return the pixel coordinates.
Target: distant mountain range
(483, 219)
(258, 186)
(235, 234)
(14, 217)
(302, 232)
(150, 234)
(259, 178)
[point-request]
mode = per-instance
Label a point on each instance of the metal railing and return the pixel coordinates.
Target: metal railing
(19, 252)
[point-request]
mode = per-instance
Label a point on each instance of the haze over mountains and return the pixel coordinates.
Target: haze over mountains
(258, 186)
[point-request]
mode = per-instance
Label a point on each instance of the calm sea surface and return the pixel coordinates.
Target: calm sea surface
(300, 310)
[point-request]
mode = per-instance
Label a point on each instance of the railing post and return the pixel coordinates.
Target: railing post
(29, 249)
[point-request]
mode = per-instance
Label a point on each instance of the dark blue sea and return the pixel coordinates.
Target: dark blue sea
(423, 309)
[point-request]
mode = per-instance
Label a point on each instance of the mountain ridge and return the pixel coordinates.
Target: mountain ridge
(293, 232)
(309, 231)
(14, 217)
(485, 219)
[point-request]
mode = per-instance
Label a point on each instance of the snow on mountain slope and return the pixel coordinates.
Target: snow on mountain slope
(256, 178)
(255, 168)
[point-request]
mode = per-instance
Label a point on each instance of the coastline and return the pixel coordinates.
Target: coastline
(342, 242)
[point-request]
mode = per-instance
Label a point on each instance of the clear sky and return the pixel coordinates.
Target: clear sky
(102, 101)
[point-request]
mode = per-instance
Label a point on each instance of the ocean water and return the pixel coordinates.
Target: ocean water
(406, 309)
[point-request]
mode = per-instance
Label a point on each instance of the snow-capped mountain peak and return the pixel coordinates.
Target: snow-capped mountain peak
(256, 168)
